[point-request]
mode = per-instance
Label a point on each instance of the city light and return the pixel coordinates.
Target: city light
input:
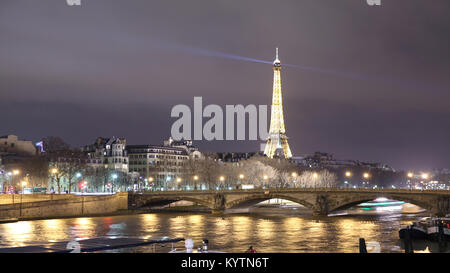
(54, 171)
(15, 172)
(265, 177)
(222, 178)
(150, 179)
(410, 174)
(178, 179)
(315, 175)
(366, 175)
(424, 176)
(195, 177)
(78, 175)
(348, 174)
(294, 174)
(241, 176)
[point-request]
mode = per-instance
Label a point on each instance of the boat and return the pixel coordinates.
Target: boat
(90, 245)
(189, 244)
(428, 228)
(8, 220)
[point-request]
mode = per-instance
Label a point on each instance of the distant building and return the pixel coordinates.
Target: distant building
(11, 144)
(236, 156)
(160, 163)
(327, 160)
(108, 152)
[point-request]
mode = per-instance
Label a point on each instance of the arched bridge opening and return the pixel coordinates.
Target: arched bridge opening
(146, 202)
(255, 200)
(385, 203)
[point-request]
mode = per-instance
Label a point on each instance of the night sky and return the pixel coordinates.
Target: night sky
(378, 88)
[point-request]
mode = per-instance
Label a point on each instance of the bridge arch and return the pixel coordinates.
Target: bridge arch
(251, 200)
(165, 200)
(348, 203)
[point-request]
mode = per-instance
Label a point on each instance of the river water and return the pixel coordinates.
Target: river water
(267, 230)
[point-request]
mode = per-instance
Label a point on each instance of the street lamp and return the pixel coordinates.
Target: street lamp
(348, 174)
(315, 175)
(294, 176)
(221, 179)
(366, 176)
(179, 181)
(410, 176)
(114, 177)
(425, 176)
(265, 177)
(195, 181)
(24, 183)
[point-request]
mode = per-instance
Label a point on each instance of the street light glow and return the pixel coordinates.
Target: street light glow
(366, 175)
(348, 174)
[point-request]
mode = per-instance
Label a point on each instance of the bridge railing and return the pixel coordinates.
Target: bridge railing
(310, 189)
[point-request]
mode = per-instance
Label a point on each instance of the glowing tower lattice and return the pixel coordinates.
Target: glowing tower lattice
(277, 141)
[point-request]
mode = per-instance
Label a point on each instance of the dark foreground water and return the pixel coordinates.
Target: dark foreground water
(268, 230)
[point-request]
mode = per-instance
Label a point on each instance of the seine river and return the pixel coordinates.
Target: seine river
(266, 229)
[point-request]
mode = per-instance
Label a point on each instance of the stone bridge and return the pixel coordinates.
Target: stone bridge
(320, 200)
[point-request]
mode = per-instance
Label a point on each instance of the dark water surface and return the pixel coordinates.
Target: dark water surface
(268, 231)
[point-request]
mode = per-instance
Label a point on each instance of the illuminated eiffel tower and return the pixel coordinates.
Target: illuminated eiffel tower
(277, 141)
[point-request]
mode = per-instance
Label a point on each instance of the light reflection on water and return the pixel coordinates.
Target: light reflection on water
(276, 232)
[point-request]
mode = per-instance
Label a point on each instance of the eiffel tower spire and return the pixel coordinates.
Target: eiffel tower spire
(277, 141)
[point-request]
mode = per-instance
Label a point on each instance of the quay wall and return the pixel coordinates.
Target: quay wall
(67, 206)
(17, 198)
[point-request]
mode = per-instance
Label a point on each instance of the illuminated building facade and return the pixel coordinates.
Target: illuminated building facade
(277, 141)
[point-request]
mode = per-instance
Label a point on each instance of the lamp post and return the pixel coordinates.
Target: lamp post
(179, 183)
(241, 178)
(56, 177)
(294, 177)
(195, 181)
(348, 175)
(150, 180)
(14, 173)
(221, 179)
(410, 175)
(114, 177)
(315, 176)
(265, 177)
(366, 176)
(24, 183)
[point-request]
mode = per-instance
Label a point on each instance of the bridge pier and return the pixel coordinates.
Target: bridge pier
(321, 207)
(443, 206)
(217, 211)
